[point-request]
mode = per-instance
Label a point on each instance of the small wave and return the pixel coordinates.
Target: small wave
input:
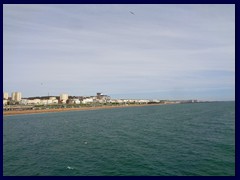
(70, 167)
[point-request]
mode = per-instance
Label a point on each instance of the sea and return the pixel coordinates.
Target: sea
(196, 139)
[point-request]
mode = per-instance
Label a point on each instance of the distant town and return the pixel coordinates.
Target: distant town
(16, 102)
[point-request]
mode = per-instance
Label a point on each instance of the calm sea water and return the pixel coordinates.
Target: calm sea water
(184, 139)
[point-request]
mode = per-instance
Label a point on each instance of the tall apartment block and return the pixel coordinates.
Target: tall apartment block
(5, 95)
(16, 96)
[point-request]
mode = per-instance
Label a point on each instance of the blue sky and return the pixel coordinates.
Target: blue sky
(162, 52)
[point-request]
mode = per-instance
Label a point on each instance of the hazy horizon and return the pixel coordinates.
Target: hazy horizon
(158, 51)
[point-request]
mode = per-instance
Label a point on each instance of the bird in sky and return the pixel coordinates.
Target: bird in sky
(131, 12)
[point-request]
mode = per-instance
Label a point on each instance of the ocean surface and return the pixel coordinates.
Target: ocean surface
(166, 140)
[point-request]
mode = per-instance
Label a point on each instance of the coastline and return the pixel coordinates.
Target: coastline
(20, 112)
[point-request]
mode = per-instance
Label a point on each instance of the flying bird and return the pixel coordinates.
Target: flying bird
(131, 12)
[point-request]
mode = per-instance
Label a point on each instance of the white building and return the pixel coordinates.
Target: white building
(102, 101)
(24, 101)
(5, 102)
(63, 98)
(52, 98)
(46, 101)
(40, 101)
(16, 96)
(33, 101)
(112, 101)
(74, 101)
(120, 101)
(49, 101)
(87, 100)
(143, 101)
(5, 95)
(116, 101)
(54, 101)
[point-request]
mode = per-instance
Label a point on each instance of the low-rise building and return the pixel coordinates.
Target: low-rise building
(52, 98)
(34, 101)
(142, 101)
(74, 101)
(120, 101)
(54, 101)
(5, 102)
(23, 102)
(87, 100)
(113, 101)
(48, 101)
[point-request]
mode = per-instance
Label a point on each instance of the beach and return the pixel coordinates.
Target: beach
(18, 112)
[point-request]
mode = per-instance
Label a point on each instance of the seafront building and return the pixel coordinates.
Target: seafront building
(66, 99)
(88, 100)
(63, 98)
(5, 102)
(16, 96)
(38, 101)
(74, 101)
(5, 96)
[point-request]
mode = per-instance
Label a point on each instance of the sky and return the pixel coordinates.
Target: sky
(160, 51)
